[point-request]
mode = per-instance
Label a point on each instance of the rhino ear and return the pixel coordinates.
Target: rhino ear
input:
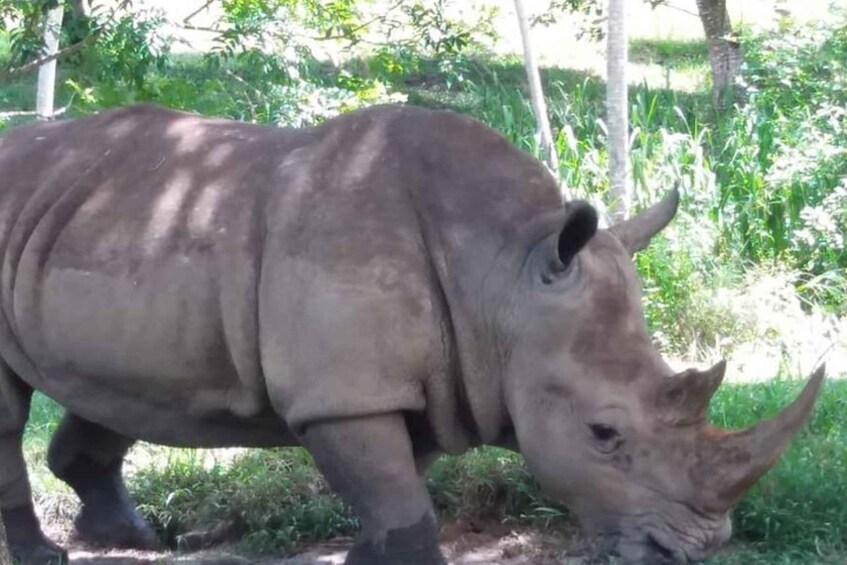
(579, 227)
(636, 232)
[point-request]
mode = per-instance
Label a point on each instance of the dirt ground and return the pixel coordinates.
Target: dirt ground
(463, 545)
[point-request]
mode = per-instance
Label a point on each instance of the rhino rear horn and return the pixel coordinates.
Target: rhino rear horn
(684, 398)
(734, 461)
(579, 227)
(636, 232)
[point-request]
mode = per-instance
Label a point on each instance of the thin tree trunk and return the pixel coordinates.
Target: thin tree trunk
(725, 54)
(536, 91)
(81, 7)
(5, 557)
(47, 71)
(617, 121)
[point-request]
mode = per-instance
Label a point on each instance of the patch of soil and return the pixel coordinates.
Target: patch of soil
(463, 543)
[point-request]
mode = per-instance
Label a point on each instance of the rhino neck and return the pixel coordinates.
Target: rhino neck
(473, 194)
(479, 272)
(484, 282)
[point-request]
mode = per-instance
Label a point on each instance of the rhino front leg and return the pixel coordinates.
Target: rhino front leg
(89, 458)
(27, 542)
(370, 463)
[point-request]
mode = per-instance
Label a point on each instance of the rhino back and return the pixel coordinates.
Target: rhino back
(167, 264)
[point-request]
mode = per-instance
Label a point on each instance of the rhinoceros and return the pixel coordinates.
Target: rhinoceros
(391, 285)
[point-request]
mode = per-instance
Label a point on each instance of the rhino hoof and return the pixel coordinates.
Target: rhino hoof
(27, 543)
(126, 530)
(412, 545)
(44, 553)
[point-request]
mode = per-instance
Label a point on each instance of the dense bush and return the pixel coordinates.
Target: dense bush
(781, 160)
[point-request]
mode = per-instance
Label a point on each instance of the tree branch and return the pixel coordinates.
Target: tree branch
(26, 113)
(192, 27)
(195, 13)
(683, 10)
(60, 54)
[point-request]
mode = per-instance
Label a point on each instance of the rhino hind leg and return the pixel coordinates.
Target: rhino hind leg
(89, 458)
(25, 538)
(371, 464)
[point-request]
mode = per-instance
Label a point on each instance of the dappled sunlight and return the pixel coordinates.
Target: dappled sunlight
(368, 152)
(204, 210)
(187, 134)
(218, 155)
(166, 211)
(767, 332)
(788, 338)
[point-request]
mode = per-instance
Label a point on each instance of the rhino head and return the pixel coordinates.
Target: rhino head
(606, 427)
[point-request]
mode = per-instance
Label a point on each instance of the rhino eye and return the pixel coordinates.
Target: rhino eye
(602, 432)
(607, 437)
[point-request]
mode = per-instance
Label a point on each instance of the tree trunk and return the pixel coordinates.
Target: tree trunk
(82, 8)
(5, 557)
(617, 120)
(47, 71)
(725, 55)
(536, 91)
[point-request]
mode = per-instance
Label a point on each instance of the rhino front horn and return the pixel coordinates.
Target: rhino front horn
(734, 461)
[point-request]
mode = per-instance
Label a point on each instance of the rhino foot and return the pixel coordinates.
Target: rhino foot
(44, 553)
(27, 544)
(114, 527)
(414, 545)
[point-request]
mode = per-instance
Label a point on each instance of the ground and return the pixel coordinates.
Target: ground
(494, 545)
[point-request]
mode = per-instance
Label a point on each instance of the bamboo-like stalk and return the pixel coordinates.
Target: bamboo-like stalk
(617, 115)
(536, 92)
(47, 71)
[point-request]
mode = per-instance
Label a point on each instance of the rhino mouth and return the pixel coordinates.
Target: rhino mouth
(649, 549)
(662, 553)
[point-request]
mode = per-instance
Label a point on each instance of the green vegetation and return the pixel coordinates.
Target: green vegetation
(756, 257)
(791, 508)
(671, 53)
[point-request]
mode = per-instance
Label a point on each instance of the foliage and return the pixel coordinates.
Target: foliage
(426, 39)
(769, 175)
(275, 497)
(24, 41)
(120, 44)
(129, 47)
(268, 47)
(669, 53)
(791, 508)
(781, 160)
(279, 39)
(593, 14)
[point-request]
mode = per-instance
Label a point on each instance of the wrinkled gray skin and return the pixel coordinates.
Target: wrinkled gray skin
(392, 285)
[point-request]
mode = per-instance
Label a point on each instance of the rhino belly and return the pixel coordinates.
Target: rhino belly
(161, 352)
(145, 355)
